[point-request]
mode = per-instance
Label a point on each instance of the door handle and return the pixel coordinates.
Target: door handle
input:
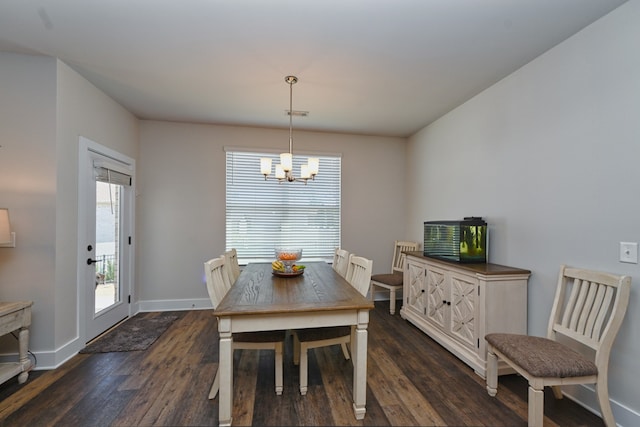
(92, 261)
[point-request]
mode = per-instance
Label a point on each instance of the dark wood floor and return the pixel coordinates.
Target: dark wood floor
(411, 381)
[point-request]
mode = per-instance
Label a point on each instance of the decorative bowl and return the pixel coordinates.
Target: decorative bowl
(284, 254)
(285, 261)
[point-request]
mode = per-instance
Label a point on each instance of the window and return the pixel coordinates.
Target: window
(263, 215)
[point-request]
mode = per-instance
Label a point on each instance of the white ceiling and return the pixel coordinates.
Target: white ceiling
(377, 67)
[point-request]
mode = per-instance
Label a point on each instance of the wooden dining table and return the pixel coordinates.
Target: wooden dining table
(261, 301)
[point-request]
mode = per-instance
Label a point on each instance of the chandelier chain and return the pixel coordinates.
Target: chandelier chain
(291, 81)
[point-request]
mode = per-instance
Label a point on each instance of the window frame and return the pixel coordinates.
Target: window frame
(260, 206)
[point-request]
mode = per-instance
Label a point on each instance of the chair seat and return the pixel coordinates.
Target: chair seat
(542, 357)
(317, 334)
(391, 279)
(261, 336)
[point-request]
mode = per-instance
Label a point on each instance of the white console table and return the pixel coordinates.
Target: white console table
(458, 304)
(16, 316)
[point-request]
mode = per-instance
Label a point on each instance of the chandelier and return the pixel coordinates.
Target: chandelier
(284, 170)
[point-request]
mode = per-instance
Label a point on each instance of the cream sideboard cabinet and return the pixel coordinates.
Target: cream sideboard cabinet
(16, 316)
(458, 304)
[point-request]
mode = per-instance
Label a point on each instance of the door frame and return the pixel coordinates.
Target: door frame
(88, 149)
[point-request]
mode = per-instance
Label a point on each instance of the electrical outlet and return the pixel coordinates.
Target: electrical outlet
(629, 252)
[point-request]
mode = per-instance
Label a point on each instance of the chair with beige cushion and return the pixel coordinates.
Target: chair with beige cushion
(587, 312)
(217, 287)
(341, 261)
(359, 276)
(393, 281)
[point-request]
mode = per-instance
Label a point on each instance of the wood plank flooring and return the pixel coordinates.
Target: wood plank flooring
(411, 381)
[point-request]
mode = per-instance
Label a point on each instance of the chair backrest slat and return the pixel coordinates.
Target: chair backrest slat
(584, 312)
(571, 302)
(594, 312)
(576, 309)
(602, 315)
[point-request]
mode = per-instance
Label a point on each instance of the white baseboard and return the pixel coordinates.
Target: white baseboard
(46, 360)
(585, 396)
(174, 305)
(383, 295)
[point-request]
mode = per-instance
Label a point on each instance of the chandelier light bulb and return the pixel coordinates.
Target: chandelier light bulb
(304, 172)
(265, 166)
(314, 165)
(286, 160)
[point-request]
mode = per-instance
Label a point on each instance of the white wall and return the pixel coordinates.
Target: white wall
(549, 156)
(28, 188)
(45, 107)
(181, 200)
(82, 110)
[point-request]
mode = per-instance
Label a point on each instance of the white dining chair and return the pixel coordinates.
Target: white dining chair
(359, 276)
(393, 281)
(217, 286)
(587, 313)
(340, 261)
(232, 266)
(359, 273)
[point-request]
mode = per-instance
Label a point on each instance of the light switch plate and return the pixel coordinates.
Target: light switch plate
(629, 252)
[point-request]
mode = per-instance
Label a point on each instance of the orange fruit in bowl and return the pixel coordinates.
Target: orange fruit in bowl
(288, 254)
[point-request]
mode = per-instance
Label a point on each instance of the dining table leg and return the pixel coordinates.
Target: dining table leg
(225, 368)
(360, 365)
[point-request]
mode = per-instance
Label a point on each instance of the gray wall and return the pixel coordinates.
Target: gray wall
(28, 188)
(82, 110)
(46, 107)
(181, 200)
(549, 156)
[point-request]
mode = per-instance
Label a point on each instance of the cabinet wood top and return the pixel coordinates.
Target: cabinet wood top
(487, 269)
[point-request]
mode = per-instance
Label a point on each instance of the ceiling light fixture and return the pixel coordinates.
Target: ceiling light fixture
(284, 171)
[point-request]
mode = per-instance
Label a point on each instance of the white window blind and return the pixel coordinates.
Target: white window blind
(263, 215)
(104, 173)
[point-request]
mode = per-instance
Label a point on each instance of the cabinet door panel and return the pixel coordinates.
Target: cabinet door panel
(415, 287)
(437, 297)
(463, 306)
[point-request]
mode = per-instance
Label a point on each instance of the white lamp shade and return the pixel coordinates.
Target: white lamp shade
(5, 226)
(265, 166)
(314, 165)
(280, 174)
(304, 172)
(286, 160)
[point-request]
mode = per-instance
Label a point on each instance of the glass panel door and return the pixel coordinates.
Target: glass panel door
(108, 289)
(105, 228)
